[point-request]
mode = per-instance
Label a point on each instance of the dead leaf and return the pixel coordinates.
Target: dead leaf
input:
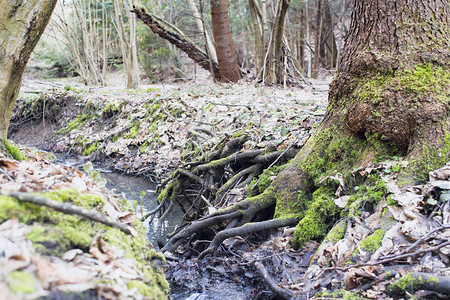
(341, 202)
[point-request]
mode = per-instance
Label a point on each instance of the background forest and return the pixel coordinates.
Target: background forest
(262, 177)
(93, 39)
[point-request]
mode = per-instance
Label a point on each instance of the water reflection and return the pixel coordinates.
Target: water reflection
(132, 187)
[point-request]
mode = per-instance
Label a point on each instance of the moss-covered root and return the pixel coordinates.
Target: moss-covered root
(248, 207)
(12, 150)
(415, 281)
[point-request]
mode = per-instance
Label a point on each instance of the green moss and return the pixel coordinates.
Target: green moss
(373, 241)
(132, 133)
(142, 288)
(260, 184)
(432, 158)
(56, 233)
(147, 260)
(112, 109)
(92, 148)
(408, 283)
(285, 207)
(153, 108)
(321, 212)
(75, 124)
(14, 151)
(338, 294)
(337, 232)
(48, 240)
(21, 282)
(331, 154)
(143, 147)
(419, 80)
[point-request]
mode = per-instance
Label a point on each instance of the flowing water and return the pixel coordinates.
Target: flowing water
(132, 188)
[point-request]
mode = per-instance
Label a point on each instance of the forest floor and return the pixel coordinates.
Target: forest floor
(157, 130)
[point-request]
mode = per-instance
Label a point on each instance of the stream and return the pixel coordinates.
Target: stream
(214, 286)
(130, 188)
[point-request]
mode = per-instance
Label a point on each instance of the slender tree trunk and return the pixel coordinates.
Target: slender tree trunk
(104, 54)
(317, 37)
(226, 53)
(275, 61)
(202, 30)
(308, 40)
(329, 41)
(301, 38)
(256, 14)
(133, 46)
(21, 25)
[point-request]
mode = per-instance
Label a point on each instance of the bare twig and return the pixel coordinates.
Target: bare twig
(6, 174)
(419, 241)
(383, 261)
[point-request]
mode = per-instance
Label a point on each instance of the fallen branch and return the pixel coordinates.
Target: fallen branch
(420, 281)
(181, 41)
(68, 208)
(387, 260)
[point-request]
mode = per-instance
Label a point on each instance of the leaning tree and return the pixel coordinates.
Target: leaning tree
(21, 25)
(390, 97)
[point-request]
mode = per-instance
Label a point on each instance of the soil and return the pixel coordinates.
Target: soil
(259, 265)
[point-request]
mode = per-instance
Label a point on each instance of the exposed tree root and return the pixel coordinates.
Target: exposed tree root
(274, 286)
(420, 281)
(248, 207)
(247, 229)
(204, 184)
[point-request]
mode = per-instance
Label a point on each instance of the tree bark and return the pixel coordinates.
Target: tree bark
(329, 41)
(226, 53)
(390, 97)
(22, 24)
(276, 57)
(202, 30)
(317, 37)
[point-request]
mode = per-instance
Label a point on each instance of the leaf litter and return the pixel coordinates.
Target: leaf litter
(408, 233)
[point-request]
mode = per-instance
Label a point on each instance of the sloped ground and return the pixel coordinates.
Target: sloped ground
(59, 254)
(385, 233)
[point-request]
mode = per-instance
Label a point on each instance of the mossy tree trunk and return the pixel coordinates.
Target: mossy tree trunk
(21, 25)
(390, 97)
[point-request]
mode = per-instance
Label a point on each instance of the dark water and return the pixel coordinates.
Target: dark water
(131, 187)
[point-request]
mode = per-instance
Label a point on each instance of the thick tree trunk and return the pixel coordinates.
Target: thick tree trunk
(226, 53)
(21, 25)
(390, 97)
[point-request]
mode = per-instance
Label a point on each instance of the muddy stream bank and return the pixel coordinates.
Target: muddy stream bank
(208, 279)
